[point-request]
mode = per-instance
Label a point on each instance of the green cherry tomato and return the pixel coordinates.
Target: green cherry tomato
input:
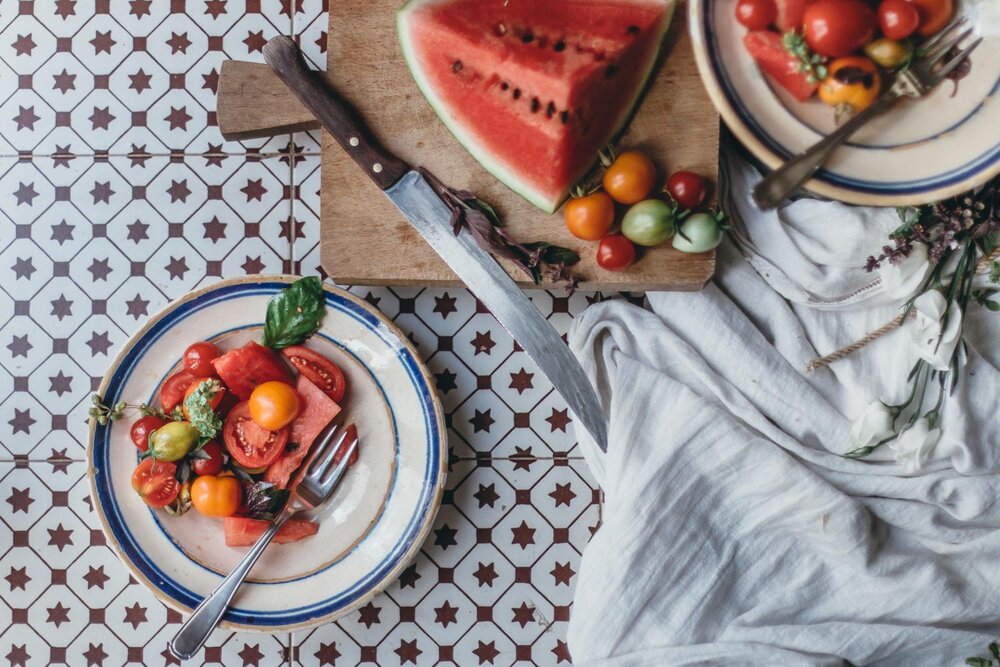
(171, 442)
(888, 53)
(649, 223)
(699, 233)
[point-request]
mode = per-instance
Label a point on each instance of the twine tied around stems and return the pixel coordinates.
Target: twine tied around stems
(983, 266)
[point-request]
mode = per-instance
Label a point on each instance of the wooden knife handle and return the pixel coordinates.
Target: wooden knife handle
(333, 112)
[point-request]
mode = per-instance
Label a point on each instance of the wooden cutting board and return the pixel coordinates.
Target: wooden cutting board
(366, 241)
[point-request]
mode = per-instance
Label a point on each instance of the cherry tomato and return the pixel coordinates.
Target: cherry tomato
(198, 359)
(589, 217)
(897, 19)
(756, 14)
(216, 496)
(319, 370)
(687, 188)
(154, 481)
(173, 440)
(888, 53)
(615, 253)
(854, 81)
(142, 428)
(934, 15)
(211, 465)
(835, 28)
(274, 405)
(629, 178)
(193, 387)
(247, 443)
(173, 389)
(649, 223)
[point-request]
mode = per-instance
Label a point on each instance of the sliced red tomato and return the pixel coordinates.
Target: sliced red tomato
(173, 389)
(934, 15)
(155, 482)
(249, 444)
(244, 368)
(321, 371)
(352, 435)
(317, 410)
(244, 532)
(766, 48)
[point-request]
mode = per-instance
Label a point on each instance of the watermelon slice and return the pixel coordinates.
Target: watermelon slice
(244, 532)
(246, 367)
(533, 89)
(783, 68)
(316, 411)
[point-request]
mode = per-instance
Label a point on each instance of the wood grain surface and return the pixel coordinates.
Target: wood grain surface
(365, 240)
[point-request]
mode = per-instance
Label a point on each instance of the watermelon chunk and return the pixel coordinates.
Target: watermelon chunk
(316, 411)
(783, 68)
(246, 367)
(533, 89)
(244, 532)
(790, 14)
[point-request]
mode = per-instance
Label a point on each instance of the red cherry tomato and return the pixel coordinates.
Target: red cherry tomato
(198, 359)
(154, 480)
(934, 15)
(173, 389)
(687, 188)
(756, 14)
(898, 19)
(213, 464)
(615, 253)
(836, 28)
(142, 428)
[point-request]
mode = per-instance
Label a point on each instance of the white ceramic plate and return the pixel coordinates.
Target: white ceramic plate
(371, 527)
(919, 151)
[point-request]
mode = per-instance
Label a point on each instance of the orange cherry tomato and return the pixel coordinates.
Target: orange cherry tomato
(934, 15)
(273, 405)
(854, 81)
(213, 402)
(630, 177)
(589, 217)
(216, 496)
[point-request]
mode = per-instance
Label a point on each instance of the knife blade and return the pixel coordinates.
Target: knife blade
(410, 192)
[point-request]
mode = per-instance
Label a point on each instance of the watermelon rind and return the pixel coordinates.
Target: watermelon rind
(482, 155)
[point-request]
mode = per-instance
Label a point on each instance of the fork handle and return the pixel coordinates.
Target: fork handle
(776, 186)
(195, 631)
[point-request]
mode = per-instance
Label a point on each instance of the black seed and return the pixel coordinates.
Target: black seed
(517, 93)
(564, 117)
(559, 46)
(633, 30)
(550, 110)
(504, 86)
(527, 37)
(535, 104)
(456, 66)
(610, 71)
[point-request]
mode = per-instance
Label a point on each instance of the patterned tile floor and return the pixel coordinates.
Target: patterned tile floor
(117, 194)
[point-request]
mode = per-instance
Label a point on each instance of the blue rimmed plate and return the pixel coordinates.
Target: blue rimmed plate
(920, 151)
(369, 530)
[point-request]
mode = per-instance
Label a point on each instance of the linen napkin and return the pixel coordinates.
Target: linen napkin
(733, 532)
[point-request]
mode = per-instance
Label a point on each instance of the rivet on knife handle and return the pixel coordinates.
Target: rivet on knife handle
(336, 114)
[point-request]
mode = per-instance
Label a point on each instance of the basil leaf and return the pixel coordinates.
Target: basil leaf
(294, 314)
(264, 500)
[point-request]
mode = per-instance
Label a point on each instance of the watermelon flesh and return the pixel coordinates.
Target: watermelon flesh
(243, 532)
(533, 89)
(783, 68)
(316, 411)
(246, 367)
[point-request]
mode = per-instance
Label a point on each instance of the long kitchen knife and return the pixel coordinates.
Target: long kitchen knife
(415, 199)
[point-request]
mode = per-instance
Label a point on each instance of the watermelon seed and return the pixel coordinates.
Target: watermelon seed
(633, 30)
(504, 86)
(550, 110)
(456, 66)
(527, 37)
(535, 104)
(610, 71)
(559, 46)
(517, 93)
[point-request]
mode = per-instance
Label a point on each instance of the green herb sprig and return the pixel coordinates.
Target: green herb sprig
(200, 412)
(977, 661)
(294, 314)
(104, 414)
(811, 64)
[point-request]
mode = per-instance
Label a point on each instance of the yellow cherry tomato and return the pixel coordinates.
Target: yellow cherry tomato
(273, 405)
(888, 53)
(853, 81)
(589, 217)
(216, 496)
(630, 177)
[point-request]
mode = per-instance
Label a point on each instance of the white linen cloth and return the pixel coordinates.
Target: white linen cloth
(733, 533)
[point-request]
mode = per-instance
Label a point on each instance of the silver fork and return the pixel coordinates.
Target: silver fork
(917, 80)
(314, 483)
